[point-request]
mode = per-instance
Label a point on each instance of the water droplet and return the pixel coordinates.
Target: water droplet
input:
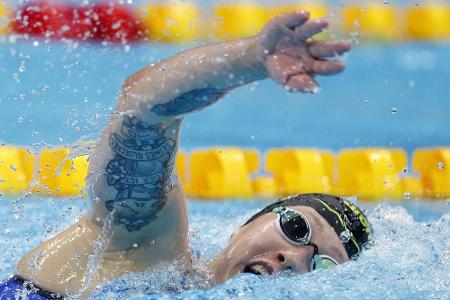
(135, 245)
(345, 236)
(394, 110)
(22, 66)
(35, 43)
(365, 101)
(406, 195)
(16, 77)
(441, 165)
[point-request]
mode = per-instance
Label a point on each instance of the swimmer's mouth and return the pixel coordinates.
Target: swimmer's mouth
(258, 268)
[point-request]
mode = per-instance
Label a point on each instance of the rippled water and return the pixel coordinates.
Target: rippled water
(409, 260)
(53, 94)
(66, 95)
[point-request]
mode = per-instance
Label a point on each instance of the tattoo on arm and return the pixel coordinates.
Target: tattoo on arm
(139, 172)
(144, 159)
(189, 102)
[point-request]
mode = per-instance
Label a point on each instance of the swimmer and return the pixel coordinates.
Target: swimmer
(138, 214)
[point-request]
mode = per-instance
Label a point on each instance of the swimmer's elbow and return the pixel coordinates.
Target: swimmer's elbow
(130, 83)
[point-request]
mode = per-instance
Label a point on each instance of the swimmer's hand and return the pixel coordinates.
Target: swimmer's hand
(292, 58)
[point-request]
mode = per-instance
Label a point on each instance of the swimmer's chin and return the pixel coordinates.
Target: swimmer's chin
(221, 269)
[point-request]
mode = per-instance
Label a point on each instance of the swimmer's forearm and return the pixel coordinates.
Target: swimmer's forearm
(192, 79)
(131, 171)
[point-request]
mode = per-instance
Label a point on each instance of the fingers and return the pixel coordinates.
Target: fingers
(290, 73)
(281, 67)
(279, 27)
(301, 83)
(322, 49)
(327, 67)
(293, 20)
(310, 28)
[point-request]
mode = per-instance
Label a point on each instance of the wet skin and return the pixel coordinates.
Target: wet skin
(259, 247)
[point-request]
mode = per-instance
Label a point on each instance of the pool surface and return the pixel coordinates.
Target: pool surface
(395, 96)
(392, 95)
(410, 258)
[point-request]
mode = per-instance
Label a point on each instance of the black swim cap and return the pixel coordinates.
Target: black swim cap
(347, 220)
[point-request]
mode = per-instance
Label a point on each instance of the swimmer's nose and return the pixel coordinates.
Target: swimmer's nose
(298, 261)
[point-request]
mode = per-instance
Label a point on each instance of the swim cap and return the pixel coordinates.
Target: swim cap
(347, 220)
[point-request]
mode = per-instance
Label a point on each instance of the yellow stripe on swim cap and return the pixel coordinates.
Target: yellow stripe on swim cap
(340, 220)
(362, 218)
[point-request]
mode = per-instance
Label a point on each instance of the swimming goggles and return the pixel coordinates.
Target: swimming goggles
(296, 229)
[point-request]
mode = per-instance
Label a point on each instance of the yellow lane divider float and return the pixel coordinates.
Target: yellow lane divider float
(238, 21)
(5, 16)
(434, 167)
(300, 170)
(371, 174)
(173, 23)
(16, 170)
(58, 175)
(428, 22)
(371, 21)
(222, 173)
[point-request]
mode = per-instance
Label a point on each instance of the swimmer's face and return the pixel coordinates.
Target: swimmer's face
(259, 247)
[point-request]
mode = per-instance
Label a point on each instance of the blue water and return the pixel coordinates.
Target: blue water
(391, 95)
(409, 260)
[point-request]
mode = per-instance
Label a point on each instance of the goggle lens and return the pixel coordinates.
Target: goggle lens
(298, 230)
(295, 227)
(322, 262)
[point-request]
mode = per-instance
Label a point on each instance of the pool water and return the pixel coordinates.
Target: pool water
(410, 258)
(390, 95)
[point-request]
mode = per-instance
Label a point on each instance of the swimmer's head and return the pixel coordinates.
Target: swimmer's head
(299, 233)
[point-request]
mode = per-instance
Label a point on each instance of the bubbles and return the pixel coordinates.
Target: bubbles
(345, 236)
(22, 66)
(394, 110)
(419, 60)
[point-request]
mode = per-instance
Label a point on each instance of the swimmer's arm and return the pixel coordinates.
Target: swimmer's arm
(132, 178)
(133, 164)
(132, 169)
(194, 79)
